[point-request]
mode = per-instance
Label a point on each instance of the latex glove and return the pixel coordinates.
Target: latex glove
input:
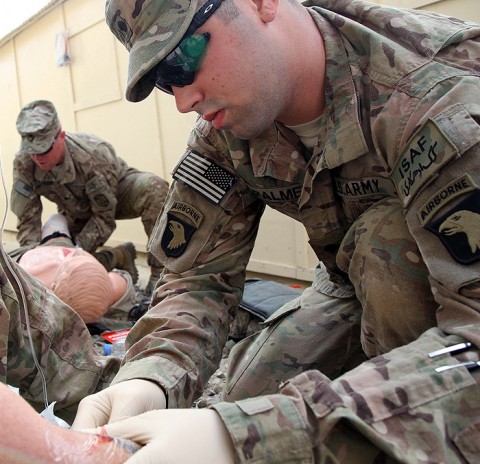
(117, 402)
(179, 436)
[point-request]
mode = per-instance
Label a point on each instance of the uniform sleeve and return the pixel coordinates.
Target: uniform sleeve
(385, 410)
(101, 190)
(204, 238)
(437, 178)
(27, 206)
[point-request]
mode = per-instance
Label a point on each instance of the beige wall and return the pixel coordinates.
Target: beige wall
(151, 135)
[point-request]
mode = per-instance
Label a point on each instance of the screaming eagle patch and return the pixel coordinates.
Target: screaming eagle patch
(459, 229)
(183, 221)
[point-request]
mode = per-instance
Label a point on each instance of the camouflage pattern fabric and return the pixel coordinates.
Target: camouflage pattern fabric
(60, 339)
(290, 344)
(37, 124)
(382, 260)
(394, 408)
(92, 188)
(162, 27)
(401, 121)
(381, 254)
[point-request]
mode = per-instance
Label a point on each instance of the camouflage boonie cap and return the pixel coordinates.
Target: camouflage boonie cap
(150, 30)
(37, 123)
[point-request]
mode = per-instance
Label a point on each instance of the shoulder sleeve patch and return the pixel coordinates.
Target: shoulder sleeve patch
(447, 193)
(427, 152)
(176, 236)
(459, 229)
(206, 177)
(22, 188)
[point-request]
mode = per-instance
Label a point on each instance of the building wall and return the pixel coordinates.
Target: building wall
(151, 135)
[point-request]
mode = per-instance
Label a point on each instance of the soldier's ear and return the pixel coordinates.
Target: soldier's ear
(267, 9)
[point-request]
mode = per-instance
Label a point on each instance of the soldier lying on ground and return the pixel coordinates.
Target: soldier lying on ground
(91, 186)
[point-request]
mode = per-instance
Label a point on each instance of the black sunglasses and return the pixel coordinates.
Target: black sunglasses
(178, 68)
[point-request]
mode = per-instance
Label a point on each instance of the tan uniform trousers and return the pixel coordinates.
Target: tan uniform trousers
(392, 307)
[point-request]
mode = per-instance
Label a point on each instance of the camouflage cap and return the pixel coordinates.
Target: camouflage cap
(150, 30)
(37, 123)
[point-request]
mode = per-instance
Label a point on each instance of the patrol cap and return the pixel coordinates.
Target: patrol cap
(149, 30)
(37, 123)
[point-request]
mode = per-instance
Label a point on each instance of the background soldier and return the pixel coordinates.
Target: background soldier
(90, 184)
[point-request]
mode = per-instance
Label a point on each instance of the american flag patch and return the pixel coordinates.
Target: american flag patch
(204, 176)
(22, 188)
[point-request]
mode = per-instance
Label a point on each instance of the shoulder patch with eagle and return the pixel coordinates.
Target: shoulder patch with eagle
(183, 221)
(459, 229)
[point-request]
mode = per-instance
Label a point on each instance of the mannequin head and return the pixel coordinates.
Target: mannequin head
(84, 284)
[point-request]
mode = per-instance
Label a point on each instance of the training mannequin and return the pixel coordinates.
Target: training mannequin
(75, 276)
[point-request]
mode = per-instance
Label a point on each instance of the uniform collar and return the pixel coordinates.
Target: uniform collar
(340, 126)
(344, 136)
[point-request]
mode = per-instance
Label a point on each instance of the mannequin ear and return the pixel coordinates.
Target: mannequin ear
(267, 9)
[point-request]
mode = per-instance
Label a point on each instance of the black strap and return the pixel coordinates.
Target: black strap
(56, 235)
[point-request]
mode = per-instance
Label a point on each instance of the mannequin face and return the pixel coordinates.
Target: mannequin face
(83, 283)
(77, 278)
(43, 262)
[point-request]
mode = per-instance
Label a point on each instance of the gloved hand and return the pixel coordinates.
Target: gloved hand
(117, 402)
(179, 436)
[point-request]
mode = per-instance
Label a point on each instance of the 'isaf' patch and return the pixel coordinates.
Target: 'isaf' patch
(427, 152)
(459, 229)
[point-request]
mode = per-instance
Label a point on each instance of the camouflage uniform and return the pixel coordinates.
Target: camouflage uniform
(92, 188)
(393, 408)
(60, 340)
(388, 198)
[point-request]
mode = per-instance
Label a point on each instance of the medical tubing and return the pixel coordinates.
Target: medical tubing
(113, 450)
(17, 286)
